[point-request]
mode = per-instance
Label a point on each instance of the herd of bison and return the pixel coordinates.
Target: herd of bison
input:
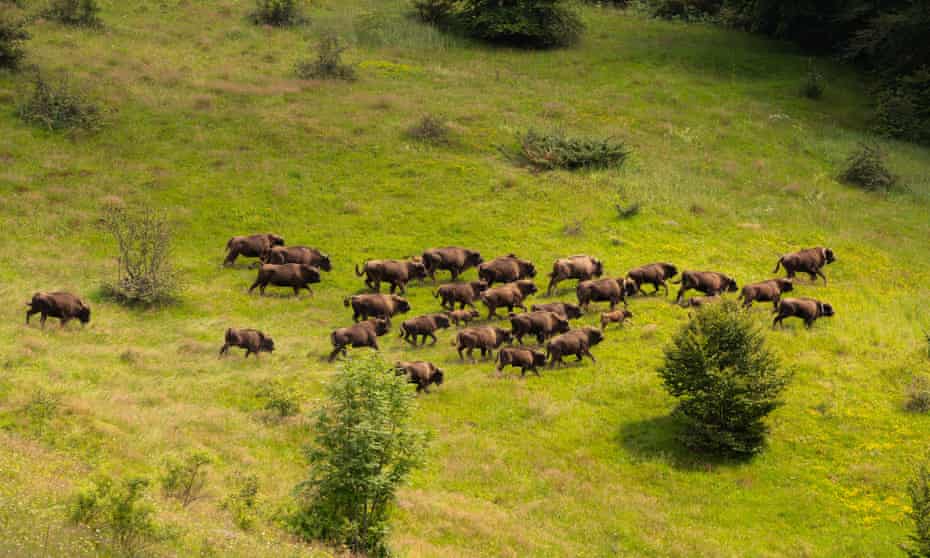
(504, 282)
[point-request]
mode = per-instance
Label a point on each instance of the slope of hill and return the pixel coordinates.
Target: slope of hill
(732, 168)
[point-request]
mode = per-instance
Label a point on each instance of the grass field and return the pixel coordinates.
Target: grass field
(732, 168)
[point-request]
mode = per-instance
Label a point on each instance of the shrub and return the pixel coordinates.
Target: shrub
(814, 85)
(523, 23)
(42, 407)
(56, 106)
(365, 445)
(429, 129)
(242, 501)
(118, 511)
(688, 10)
(903, 107)
(328, 64)
(144, 272)
(548, 151)
(435, 12)
(279, 398)
(725, 379)
(185, 478)
(629, 211)
(918, 488)
(918, 394)
(279, 13)
(866, 168)
(12, 37)
(74, 12)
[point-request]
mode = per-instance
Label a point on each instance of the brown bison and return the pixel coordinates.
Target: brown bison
(396, 272)
(566, 309)
(510, 295)
(701, 301)
(615, 317)
(460, 293)
(506, 269)
(809, 261)
(765, 291)
(581, 267)
(576, 342)
(252, 340)
(363, 334)
(484, 338)
(452, 258)
(250, 246)
(61, 305)
(420, 373)
(376, 306)
(543, 324)
(655, 274)
(424, 326)
(708, 282)
(462, 316)
(523, 358)
(602, 290)
(296, 276)
(807, 309)
(298, 255)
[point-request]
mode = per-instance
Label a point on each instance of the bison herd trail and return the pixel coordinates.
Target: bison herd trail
(297, 267)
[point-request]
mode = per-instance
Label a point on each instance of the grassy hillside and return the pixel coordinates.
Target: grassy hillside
(732, 168)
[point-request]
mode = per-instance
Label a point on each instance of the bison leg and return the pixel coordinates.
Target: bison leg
(29, 314)
(336, 351)
(231, 257)
(813, 276)
(255, 284)
(553, 283)
(63, 321)
(297, 292)
(491, 310)
(224, 349)
(42, 320)
(433, 335)
(681, 293)
(824, 277)
(808, 322)
(587, 352)
(460, 352)
(778, 321)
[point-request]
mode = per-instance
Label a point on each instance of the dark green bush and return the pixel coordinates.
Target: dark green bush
(56, 106)
(12, 36)
(84, 13)
(328, 63)
(117, 510)
(242, 501)
(364, 447)
(867, 169)
(814, 83)
(918, 488)
(435, 12)
(523, 23)
(279, 13)
(685, 9)
(918, 394)
(725, 379)
(184, 478)
(903, 107)
(430, 129)
(548, 151)
(279, 398)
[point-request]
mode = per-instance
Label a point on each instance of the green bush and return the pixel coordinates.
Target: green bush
(903, 107)
(118, 512)
(82, 13)
(688, 10)
(279, 13)
(435, 12)
(56, 106)
(328, 63)
(523, 23)
(12, 36)
(725, 379)
(185, 478)
(365, 446)
(867, 169)
(430, 129)
(918, 488)
(918, 394)
(279, 398)
(548, 151)
(242, 501)
(814, 83)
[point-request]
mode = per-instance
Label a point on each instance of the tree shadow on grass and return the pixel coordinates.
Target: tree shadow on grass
(659, 439)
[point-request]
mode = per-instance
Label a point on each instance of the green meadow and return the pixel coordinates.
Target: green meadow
(205, 120)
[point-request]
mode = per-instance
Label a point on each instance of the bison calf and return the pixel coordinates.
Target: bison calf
(810, 261)
(61, 305)
(701, 301)
(807, 309)
(424, 326)
(421, 373)
(564, 309)
(462, 316)
(486, 339)
(708, 282)
(615, 317)
(765, 291)
(520, 357)
(363, 334)
(252, 340)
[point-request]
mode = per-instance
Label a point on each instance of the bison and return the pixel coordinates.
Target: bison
(299, 255)
(296, 276)
(602, 290)
(809, 261)
(807, 309)
(253, 246)
(581, 267)
(523, 358)
(252, 340)
(615, 317)
(543, 324)
(61, 305)
(765, 291)
(484, 338)
(452, 258)
(655, 274)
(424, 326)
(701, 301)
(460, 293)
(376, 305)
(510, 295)
(566, 309)
(506, 269)
(462, 316)
(420, 373)
(577, 342)
(708, 282)
(363, 334)
(396, 272)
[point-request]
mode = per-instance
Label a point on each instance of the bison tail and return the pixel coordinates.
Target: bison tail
(778, 264)
(229, 243)
(345, 301)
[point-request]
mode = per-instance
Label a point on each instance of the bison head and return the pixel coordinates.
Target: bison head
(627, 315)
(473, 258)
(381, 326)
(628, 287)
(572, 311)
(730, 284)
(309, 273)
(526, 287)
(561, 325)
(539, 358)
(598, 267)
(528, 269)
(669, 270)
(416, 270)
(595, 335)
(267, 345)
(829, 256)
(400, 304)
(784, 285)
(84, 314)
(479, 286)
(503, 336)
(437, 377)
(275, 240)
(442, 321)
(826, 310)
(325, 264)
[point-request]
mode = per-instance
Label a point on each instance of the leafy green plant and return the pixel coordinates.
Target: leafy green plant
(242, 501)
(430, 129)
(918, 488)
(83, 13)
(814, 83)
(42, 407)
(56, 106)
(328, 63)
(12, 36)
(118, 511)
(279, 13)
(280, 398)
(866, 167)
(725, 379)
(435, 12)
(549, 151)
(523, 23)
(365, 445)
(185, 478)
